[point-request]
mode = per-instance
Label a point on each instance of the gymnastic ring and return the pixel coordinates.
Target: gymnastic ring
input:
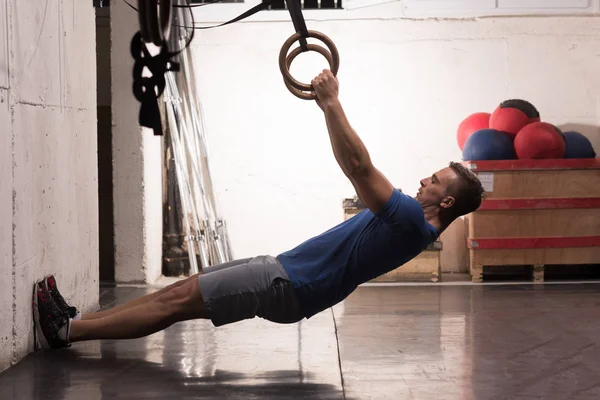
(166, 9)
(334, 62)
(143, 7)
(288, 62)
(299, 93)
(155, 20)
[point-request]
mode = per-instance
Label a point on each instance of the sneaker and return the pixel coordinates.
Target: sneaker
(51, 323)
(57, 297)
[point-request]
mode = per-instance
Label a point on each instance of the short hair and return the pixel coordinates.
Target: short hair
(467, 190)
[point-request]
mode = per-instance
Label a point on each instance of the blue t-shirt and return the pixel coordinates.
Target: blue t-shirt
(327, 268)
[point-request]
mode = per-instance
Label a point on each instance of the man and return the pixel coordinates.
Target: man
(298, 283)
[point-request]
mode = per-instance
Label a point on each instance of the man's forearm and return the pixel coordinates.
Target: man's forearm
(349, 150)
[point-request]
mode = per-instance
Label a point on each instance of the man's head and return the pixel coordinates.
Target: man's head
(453, 191)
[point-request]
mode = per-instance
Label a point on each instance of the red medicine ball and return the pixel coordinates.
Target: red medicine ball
(523, 105)
(539, 140)
(509, 120)
(470, 125)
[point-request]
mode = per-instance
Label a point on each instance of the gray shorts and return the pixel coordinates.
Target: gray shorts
(248, 288)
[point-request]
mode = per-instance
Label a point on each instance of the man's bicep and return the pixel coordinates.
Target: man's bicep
(373, 188)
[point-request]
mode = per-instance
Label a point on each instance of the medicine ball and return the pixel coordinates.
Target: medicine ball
(488, 144)
(560, 132)
(524, 106)
(470, 125)
(539, 140)
(578, 146)
(509, 120)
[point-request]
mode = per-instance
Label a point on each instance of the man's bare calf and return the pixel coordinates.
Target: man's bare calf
(137, 302)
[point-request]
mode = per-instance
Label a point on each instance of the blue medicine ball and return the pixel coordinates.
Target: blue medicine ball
(578, 146)
(489, 144)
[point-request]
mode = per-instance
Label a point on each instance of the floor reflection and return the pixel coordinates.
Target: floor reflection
(471, 342)
(393, 342)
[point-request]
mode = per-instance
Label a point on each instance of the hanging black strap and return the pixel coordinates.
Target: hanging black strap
(298, 20)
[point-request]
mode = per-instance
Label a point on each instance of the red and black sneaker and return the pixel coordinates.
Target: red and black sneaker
(51, 322)
(57, 297)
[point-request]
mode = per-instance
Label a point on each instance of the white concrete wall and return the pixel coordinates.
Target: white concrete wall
(137, 163)
(405, 84)
(48, 162)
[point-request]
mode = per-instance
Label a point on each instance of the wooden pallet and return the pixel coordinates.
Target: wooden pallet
(537, 272)
(426, 267)
(538, 269)
(537, 213)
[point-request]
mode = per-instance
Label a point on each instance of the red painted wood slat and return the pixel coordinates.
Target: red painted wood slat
(533, 243)
(517, 165)
(539, 204)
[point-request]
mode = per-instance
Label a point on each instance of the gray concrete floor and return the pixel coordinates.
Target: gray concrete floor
(449, 342)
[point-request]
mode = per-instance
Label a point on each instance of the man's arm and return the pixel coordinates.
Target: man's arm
(372, 187)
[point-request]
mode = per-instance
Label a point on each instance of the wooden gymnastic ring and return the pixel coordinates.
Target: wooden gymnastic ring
(143, 7)
(166, 12)
(334, 60)
(155, 20)
(299, 93)
(288, 61)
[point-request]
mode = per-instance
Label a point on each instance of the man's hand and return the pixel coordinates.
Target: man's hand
(326, 87)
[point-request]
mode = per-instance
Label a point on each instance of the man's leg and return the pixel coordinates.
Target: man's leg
(260, 288)
(152, 296)
(137, 302)
(180, 303)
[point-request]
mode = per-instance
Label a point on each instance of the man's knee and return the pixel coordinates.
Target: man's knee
(182, 282)
(182, 300)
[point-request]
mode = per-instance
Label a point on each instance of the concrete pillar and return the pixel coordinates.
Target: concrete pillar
(137, 164)
(48, 164)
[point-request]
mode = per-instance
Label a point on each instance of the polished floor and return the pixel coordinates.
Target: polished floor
(445, 342)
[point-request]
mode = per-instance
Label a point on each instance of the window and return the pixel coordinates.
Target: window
(215, 1)
(309, 4)
(282, 5)
(224, 10)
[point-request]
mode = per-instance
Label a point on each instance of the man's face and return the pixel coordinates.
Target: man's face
(433, 189)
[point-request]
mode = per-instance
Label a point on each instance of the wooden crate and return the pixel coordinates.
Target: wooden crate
(425, 267)
(537, 212)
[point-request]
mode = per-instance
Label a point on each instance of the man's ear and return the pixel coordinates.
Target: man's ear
(447, 202)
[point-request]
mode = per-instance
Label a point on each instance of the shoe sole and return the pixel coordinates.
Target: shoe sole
(45, 279)
(36, 318)
(36, 340)
(36, 344)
